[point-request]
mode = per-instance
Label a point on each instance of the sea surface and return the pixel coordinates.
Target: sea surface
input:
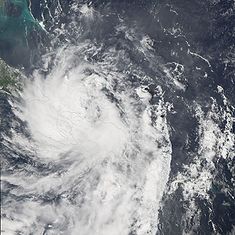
(126, 121)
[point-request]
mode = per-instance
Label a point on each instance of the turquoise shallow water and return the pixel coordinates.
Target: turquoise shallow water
(16, 22)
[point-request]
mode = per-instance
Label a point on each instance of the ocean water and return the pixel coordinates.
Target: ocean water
(125, 123)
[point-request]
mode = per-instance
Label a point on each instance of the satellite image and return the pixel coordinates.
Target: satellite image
(117, 117)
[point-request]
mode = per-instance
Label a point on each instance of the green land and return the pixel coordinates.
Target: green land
(9, 78)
